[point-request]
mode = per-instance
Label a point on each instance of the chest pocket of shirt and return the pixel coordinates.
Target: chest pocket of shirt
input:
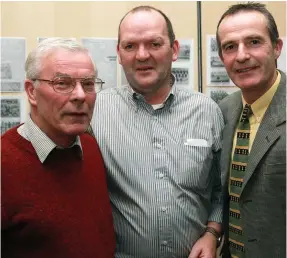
(194, 170)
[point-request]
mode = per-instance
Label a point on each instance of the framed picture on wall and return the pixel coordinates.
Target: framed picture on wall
(216, 73)
(219, 93)
(13, 55)
(183, 67)
(12, 111)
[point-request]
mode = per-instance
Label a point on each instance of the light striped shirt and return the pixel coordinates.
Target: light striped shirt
(42, 144)
(163, 169)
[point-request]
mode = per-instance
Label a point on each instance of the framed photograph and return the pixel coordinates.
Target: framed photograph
(184, 52)
(12, 111)
(219, 76)
(213, 44)
(13, 55)
(181, 75)
(183, 67)
(219, 93)
(215, 61)
(216, 73)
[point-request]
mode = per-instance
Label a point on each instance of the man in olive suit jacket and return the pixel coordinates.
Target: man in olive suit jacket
(254, 175)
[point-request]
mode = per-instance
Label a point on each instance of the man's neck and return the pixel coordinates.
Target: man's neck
(157, 97)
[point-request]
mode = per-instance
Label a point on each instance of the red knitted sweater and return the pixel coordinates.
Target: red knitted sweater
(56, 209)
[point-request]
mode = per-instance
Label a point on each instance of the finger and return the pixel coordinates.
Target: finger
(194, 253)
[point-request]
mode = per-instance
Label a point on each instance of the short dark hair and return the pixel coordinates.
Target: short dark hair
(250, 6)
(170, 31)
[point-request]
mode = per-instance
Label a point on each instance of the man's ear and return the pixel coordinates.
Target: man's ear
(118, 52)
(31, 92)
(175, 48)
(220, 55)
(277, 48)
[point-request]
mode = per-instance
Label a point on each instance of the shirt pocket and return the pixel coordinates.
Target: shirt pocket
(195, 167)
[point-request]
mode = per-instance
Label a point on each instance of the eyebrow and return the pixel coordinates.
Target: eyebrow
(253, 36)
(62, 74)
(226, 43)
(58, 74)
(135, 39)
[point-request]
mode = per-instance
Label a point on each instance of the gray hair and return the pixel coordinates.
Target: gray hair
(34, 62)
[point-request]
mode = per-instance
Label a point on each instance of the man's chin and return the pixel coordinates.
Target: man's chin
(146, 83)
(76, 129)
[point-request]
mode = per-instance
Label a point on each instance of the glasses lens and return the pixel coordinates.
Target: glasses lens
(63, 84)
(88, 84)
(99, 85)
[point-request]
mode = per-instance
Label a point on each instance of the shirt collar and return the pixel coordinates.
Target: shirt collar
(42, 144)
(135, 97)
(260, 106)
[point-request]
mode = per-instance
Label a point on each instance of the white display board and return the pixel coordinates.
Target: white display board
(104, 54)
(13, 55)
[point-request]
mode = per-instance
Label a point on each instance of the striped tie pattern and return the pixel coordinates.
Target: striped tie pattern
(238, 167)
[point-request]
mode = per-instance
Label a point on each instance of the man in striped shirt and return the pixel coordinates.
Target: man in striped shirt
(161, 144)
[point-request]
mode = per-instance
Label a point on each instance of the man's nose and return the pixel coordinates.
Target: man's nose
(78, 91)
(142, 53)
(242, 53)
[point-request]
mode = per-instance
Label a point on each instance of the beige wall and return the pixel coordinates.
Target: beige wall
(100, 19)
(84, 19)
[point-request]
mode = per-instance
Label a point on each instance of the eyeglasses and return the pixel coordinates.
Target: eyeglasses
(66, 84)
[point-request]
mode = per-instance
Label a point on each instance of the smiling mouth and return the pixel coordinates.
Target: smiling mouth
(144, 69)
(245, 69)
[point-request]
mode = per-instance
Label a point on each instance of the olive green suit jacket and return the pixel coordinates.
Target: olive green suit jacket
(263, 197)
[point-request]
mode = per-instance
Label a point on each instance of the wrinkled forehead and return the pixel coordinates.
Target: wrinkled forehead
(243, 21)
(68, 62)
(243, 18)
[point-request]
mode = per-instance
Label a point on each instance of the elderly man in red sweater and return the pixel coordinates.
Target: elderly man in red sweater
(54, 196)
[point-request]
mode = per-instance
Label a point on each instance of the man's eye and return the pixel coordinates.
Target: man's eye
(229, 47)
(255, 42)
(63, 82)
(128, 47)
(155, 44)
(88, 83)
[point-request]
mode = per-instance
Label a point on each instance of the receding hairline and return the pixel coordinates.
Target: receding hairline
(133, 12)
(140, 9)
(243, 12)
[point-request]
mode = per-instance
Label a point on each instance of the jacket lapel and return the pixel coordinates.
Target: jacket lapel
(268, 131)
(232, 118)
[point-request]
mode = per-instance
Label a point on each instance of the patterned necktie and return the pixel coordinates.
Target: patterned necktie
(238, 167)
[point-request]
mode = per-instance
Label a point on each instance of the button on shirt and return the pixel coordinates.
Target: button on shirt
(163, 191)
